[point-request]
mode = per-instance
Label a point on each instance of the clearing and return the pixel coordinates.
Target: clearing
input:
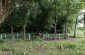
(41, 47)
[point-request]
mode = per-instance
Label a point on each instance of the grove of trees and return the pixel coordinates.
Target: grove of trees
(53, 16)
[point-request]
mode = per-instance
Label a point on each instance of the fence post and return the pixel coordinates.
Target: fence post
(13, 36)
(43, 36)
(29, 36)
(48, 36)
(54, 37)
(5, 36)
(59, 36)
(17, 35)
(68, 36)
(1, 36)
(40, 35)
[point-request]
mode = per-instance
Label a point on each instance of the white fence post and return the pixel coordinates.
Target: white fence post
(14, 36)
(1, 36)
(29, 36)
(48, 36)
(5, 36)
(68, 36)
(59, 36)
(40, 35)
(17, 35)
(43, 36)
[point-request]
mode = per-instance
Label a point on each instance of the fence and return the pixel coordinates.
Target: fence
(14, 36)
(30, 36)
(55, 36)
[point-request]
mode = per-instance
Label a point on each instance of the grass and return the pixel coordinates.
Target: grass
(65, 47)
(41, 47)
(80, 33)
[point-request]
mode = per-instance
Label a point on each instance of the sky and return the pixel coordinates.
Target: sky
(81, 16)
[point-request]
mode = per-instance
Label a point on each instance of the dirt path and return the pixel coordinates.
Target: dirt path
(6, 53)
(70, 39)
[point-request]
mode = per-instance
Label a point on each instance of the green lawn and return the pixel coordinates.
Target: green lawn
(64, 47)
(80, 33)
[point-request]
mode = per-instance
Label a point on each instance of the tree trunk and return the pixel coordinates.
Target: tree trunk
(12, 28)
(0, 8)
(75, 30)
(84, 23)
(40, 34)
(84, 20)
(24, 32)
(55, 20)
(65, 30)
(55, 28)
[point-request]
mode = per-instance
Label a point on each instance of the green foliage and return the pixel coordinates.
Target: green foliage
(1, 41)
(39, 15)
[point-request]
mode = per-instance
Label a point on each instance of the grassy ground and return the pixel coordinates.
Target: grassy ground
(64, 47)
(80, 33)
(42, 47)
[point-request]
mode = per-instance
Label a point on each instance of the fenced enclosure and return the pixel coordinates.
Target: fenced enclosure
(30, 36)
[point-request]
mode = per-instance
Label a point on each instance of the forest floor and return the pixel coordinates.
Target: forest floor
(73, 46)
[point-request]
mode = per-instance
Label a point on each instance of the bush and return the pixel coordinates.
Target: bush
(1, 41)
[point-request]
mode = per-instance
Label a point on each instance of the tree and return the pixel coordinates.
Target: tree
(70, 7)
(80, 5)
(10, 22)
(41, 15)
(23, 16)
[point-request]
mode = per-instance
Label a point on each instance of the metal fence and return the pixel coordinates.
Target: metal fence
(55, 36)
(14, 36)
(30, 36)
